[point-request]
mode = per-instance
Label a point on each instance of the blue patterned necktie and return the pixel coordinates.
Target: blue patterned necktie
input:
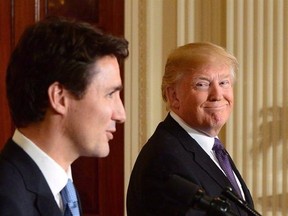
(70, 202)
(224, 163)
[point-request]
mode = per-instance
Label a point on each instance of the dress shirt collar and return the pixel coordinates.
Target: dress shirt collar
(202, 139)
(54, 174)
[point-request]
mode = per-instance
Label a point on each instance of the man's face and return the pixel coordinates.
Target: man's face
(204, 98)
(92, 120)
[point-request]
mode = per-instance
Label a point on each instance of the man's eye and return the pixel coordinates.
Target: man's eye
(202, 85)
(111, 94)
(225, 83)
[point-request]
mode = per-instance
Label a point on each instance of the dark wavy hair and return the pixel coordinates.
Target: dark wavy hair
(55, 49)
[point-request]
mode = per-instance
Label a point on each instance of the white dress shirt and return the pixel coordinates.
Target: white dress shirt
(54, 174)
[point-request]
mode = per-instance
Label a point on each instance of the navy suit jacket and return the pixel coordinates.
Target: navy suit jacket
(23, 188)
(171, 150)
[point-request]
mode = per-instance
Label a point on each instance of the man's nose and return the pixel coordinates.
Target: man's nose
(120, 114)
(215, 92)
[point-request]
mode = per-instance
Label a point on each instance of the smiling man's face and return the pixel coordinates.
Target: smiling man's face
(204, 98)
(92, 120)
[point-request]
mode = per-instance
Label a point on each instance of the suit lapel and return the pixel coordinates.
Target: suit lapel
(33, 178)
(46, 206)
(199, 155)
(203, 160)
(242, 182)
(207, 164)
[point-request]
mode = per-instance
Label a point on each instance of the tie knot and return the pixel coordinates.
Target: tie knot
(217, 145)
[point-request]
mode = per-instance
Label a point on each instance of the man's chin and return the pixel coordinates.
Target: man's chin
(103, 154)
(100, 153)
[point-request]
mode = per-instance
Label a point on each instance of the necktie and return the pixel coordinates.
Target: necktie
(70, 202)
(224, 162)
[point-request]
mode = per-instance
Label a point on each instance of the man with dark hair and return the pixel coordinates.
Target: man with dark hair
(63, 88)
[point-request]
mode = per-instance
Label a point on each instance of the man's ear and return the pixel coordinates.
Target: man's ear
(172, 97)
(58, 97)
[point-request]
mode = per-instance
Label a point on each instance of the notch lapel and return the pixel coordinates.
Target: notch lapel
(197, 153)
(33, 178)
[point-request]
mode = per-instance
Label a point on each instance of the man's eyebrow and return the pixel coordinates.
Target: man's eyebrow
(118, 88)
(201, 78)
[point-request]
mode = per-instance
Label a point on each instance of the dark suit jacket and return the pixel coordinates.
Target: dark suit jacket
(23, 188)
(171, 150)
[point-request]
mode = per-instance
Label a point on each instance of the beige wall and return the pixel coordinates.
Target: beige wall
(256, 32)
